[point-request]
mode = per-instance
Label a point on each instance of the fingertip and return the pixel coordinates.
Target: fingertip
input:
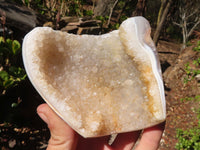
(42, 108)
(49, 116)
(126, 140)
(62, 135)
(42, 112)
(151, 137)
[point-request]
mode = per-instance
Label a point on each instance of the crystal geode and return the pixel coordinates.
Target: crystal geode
(102, 84)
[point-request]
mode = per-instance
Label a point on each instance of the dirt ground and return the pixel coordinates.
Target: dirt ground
(179, 114)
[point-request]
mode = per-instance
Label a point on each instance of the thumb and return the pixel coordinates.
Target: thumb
(62, 136)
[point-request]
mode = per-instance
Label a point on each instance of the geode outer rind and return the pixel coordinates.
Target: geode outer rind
(101, 84)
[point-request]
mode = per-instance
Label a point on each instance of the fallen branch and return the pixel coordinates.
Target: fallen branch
(111, 11)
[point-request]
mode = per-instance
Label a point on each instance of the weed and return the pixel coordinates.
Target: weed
(189, 139)
(197, 48)
(10, 74)
(196, 99)
(191, 73)
(87, 12)
(188, 71)
(196, 62)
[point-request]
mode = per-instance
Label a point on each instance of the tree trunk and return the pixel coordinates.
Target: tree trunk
(160, 25)
(189, 18)
(103, 7)
(184, 28)
(140, 8)
(163, 4)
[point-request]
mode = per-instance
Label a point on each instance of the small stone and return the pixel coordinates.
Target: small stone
(197, 77)
(48, 24)
(12, 143)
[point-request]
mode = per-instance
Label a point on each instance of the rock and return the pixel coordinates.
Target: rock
(80, 25)
(19, 19)
(74, 24)
(168, 52)
(64, 21)
(68, 19)
(99, 85)
(198, 77)
(70, 29)
(89, 30)
(12, 143)
(49, 24)
(173, 71)
(88, 23)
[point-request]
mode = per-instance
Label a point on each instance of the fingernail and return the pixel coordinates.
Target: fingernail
(43, 117)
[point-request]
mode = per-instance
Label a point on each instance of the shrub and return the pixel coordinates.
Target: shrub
(191, 73)
(10, 71)
(189, 139)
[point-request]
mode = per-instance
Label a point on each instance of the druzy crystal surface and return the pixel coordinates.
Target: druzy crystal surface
(102, 84)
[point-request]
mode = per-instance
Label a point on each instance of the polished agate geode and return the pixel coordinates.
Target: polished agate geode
(102, 84)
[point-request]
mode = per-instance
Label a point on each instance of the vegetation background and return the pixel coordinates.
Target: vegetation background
(175, 31)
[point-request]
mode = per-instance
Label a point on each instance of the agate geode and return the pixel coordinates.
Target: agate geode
(102, 84)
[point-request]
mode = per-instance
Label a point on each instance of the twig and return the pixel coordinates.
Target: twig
(111, 11)
(195, 25)
(3, 22)
(175, 23)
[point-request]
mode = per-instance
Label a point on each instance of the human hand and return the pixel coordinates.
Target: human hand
(63, 137)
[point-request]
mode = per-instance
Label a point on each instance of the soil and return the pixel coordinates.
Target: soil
(179, 114)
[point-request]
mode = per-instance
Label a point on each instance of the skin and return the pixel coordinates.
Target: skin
(63, 137)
